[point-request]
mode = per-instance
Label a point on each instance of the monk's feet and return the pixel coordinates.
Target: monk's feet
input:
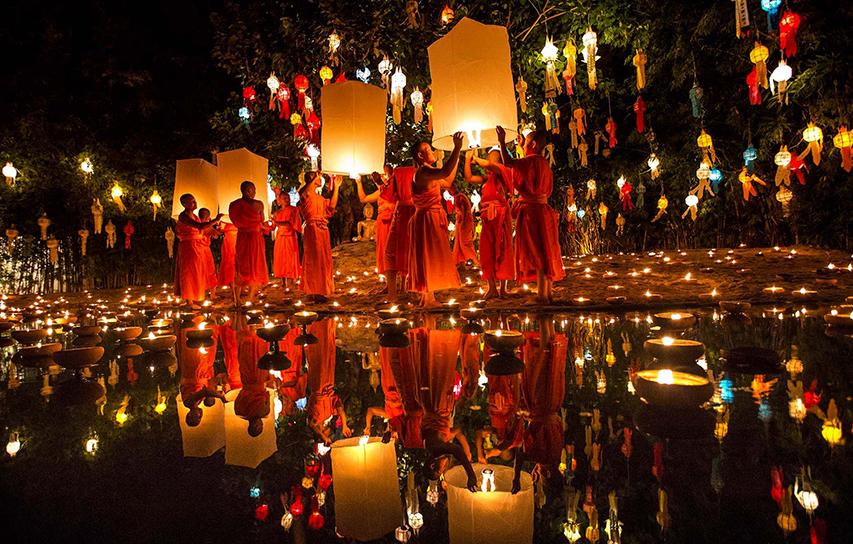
(490, 294)
(319, 299)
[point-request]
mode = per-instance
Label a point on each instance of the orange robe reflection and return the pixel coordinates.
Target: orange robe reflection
(323, 402)
(497, 257)
(470, 354)
(228, 255)
(253, 399)
(434, 354)
(250, 250)
(397, 243)
(196, 366)
(191, 270)
(285, 263)
(228, 338)
(293, 380)
(463, 245)
(537, 241)
(543, 385)
(431, 266)
(503, 394)
(317, 272)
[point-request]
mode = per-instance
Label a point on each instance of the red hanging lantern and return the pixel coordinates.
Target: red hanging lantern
(776, 484)
(657, 468)
(283, 101)
(300, 83)
(312, 468)
(316, 519)
(128, 232)
(640, 111)
(261, 512)
(313, 123)
(249, 97)
(797, 166)
(788, 26)
(325, 481)
(754, 92)
(610, 127)
(341, 78)
(296, 507)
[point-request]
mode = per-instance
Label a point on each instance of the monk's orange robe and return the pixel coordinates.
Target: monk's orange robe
(253, 399)
(321, 372)
(209, 264)
(543, 385)
(191, 270)
(383, 229)
(228, 337)
(293, 381)
(317, 273)
(497, 257)
(463, 245)
(250, 249)
(470, 354)
(397, 244)
(503, 393)
(285, 262)
(537, 242)
(431, 266)
(406, 380)
(196, 366)
(393, 399)
(228, 255)
(434, 354)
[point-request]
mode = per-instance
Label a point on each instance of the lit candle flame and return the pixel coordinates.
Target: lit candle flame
(665, 376)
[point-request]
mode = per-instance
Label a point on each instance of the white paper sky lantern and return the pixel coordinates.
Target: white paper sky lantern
(353, 138)
(367, 493)
(197, 177)
(240, 448)
(474, 105)
(236, 166)
(489, 517)
(209, 436)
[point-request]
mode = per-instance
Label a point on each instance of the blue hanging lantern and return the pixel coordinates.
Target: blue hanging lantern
(696, 93)
(244, 114)
(749, 156)
(581, 214)
(716, 177)
(772, 9)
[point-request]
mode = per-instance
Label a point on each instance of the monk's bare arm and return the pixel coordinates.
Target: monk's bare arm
(362, 196)
(505, 156)
(333, 203)
(469, 175)
(187, 220)
(426, 175)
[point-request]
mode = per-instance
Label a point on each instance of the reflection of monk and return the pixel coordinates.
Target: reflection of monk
(253, 401)
(393, 408)
(293, 381)
(543, 388)
(323, 402)
(247, 214)
(196, 374)
(228, 337)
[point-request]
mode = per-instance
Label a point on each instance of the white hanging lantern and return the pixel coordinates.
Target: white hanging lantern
(313, 153)
(11, 174)
(590, 48)
(417, 99)
(86, 166)
(385, 66)
(398, 83)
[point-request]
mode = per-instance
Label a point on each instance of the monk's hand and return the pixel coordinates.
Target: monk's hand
(516, 485)
(501, 133)
(457, 140)
(472, 484)
(218, 217)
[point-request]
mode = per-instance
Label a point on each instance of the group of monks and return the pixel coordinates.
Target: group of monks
(413, 249)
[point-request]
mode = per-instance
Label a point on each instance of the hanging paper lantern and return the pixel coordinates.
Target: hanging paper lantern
(283, 96)
(784, 197)
(752, 85)
(298, 130)
(706, 144)
(43, 223)
(571, 53)
(128, 232)
(843, 141)
(273, 85)
(654, 164)
(86, 166)
(590, 48)
(447, 14)
(813, 135)
(363, 74)
(640, 113)
(244, 114)
(156, 201)
(797, 165)
(759, 56)
(301, 84)
(779, 79)
(788, 26)
(385, 67)
(313, 124)
(326, 75)
(417, 99)
(334, 44)
(715, 175)
(782, 159)
(116, 193)
(749, 156)
(772, 9)
(692, 202)
(695, 95)
(11, 173)
(741, 16)
(704, 171)
(398, 83)
(639, 62)
(521, 87)
(313, 153)
(549, 56)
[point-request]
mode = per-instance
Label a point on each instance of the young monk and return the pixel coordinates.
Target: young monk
(463, 245)
(537, 244)
(228, 256)
(382, 196)
(397, 244)
(497, 258)
(543, 386)
(208, 234)
(318, 278)
(253, 400)
(431, 266)
(285, 263)
(247, 214)
(196, 374)
(191, 270)
(323, 402)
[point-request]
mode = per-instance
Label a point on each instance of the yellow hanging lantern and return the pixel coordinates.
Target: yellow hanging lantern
(782, 159)
(759, 56)
(590, 48)
(571, 54)
(326, 74)
(521, 88)
(843, 141)
(640, 62)
(447, 14)
(814, 136)
(117, 192)
(663, 202)
(706, 144)
(831, 430)
(786, 520)
(156, 201)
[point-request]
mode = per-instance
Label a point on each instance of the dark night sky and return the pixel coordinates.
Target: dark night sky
(134, 76)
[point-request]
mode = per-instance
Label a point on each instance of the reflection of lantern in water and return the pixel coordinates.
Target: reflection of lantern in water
(240, 448)
(367, 496)
(208, 436)
(492, 517)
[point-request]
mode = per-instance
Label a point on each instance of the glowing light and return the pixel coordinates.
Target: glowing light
(665, 377)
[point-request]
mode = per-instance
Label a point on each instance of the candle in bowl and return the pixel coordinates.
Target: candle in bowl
(840, 320)
(615, 300)
(674, 320)
(674, 350)
(304, 317)
(581, 301)
(667, 387)
(126, 334)
(389, 313)
(396, 325)
(803, 293)
(39, 355)
(709, 296)
(773, 290)
(87, 330)
(735, 306)
(648, 296)
(199, 337)
(154, 342)
(78, 358)
(272, 332)
(29, 336)
(504, 362)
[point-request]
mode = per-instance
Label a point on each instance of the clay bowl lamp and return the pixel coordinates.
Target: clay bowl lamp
(126, 334)
(735, 306)
(674, 321)
(272, 332)
(78, 358)
(37, 356)
(674, 351)
(87, 330)
(128, 350)
(153, 342)
(504, 362)
(389, 313)
(304, 317)
(6, 325)
(396, 325)
(199, 337)
(29, 336)
(673, 388)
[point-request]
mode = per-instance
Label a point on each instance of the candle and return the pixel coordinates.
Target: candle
(674, 350)
(773, 290)
(667, 387)
(674, 320)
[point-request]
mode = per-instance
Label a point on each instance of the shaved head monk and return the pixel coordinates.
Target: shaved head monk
(192, 273)
(431, 265)
(537, 243)
(247, 214)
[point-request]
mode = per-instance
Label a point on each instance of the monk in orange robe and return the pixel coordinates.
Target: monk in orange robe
(253, 400)
(191, 270)
(285, 262)
(382, 196)
(463, 244)
(497, 258)
(247, 214)
(323, 402)
(208, 234)
(397, 244)
(318, 278)
(537, 244)
(434, 354)
(543, 386)
(431, 266)
(196, 375)
(293, 380)
(228, 256)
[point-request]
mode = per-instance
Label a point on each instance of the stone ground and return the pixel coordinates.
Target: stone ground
(680, 278)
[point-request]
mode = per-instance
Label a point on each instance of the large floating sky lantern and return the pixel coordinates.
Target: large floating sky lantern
(353, 138)
(464, 102)
(197, 177)
(233, 168)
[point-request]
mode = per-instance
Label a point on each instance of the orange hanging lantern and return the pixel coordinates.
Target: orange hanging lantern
(326, 75)
(843, 141)
(116, 193)
(300, 83)
(447, 15)
(813, 135)
(640, 62)
(571, 54)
